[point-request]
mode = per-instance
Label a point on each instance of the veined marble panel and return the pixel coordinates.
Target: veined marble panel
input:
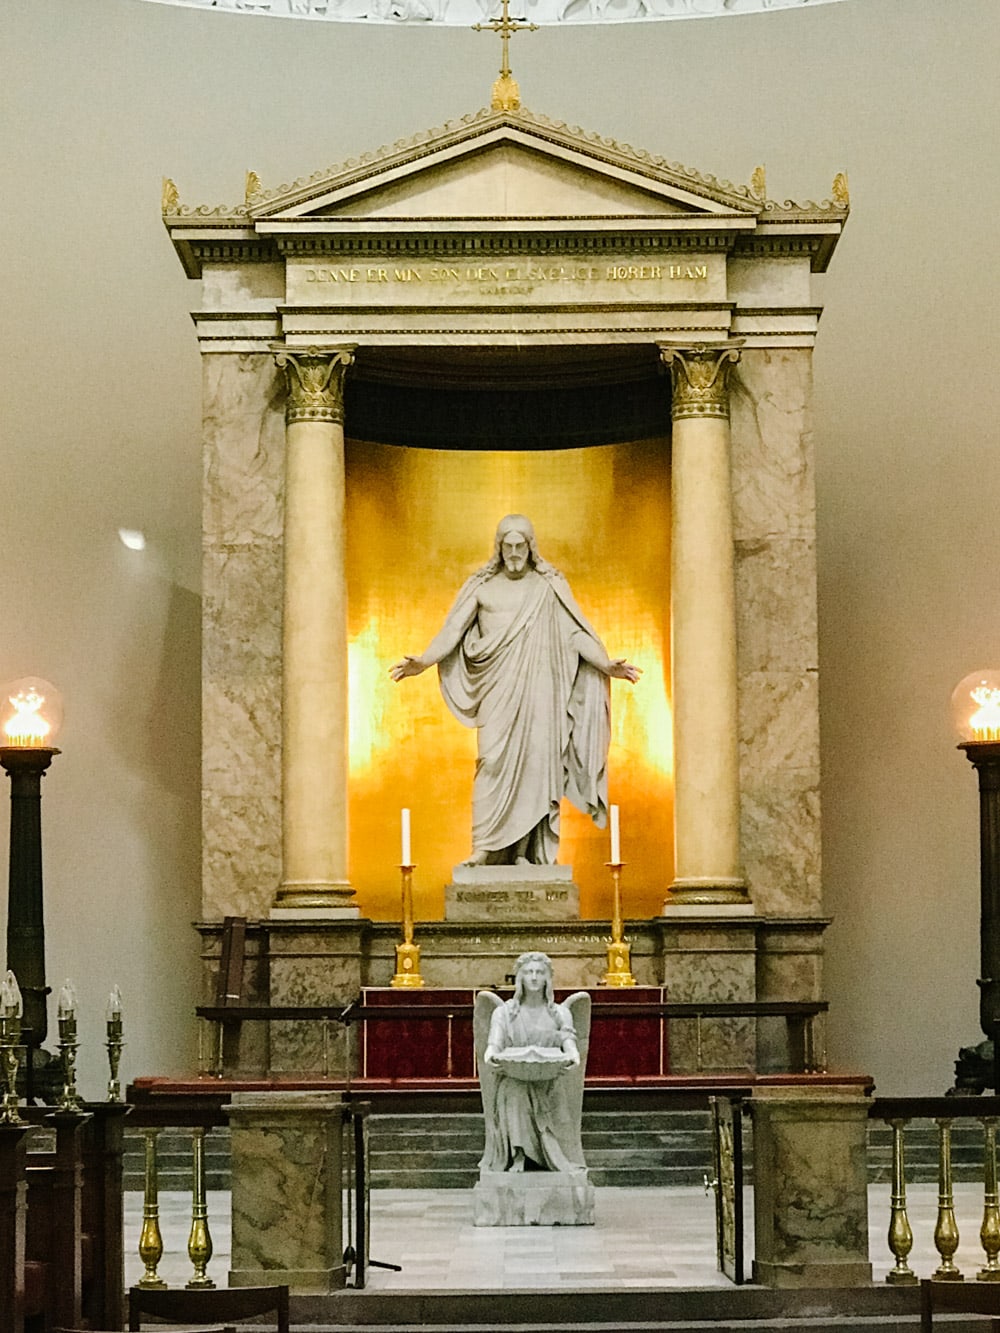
(776, 604)
(241, 625)
(244, 438)
(240, 717)
(779, 723)
(772, 448)
(241, 850)
(779, 821)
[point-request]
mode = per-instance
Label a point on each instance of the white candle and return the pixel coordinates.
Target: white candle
(406, 837)
(616, 848)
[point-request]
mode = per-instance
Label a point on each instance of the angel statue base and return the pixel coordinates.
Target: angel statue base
(532, 1054)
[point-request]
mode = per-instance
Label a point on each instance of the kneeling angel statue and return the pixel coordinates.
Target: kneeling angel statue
(532, 1053)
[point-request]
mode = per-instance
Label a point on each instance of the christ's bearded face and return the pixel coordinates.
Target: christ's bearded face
(514, 552)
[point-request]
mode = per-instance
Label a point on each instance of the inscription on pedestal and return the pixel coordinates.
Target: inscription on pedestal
(512, 893)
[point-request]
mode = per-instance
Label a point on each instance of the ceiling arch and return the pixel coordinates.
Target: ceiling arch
(462, 13)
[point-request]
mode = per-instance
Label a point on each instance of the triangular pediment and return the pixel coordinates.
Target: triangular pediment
(503, 166)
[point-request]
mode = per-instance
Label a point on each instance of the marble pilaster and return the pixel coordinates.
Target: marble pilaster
(241, 633)
(313, 963)
(709, 959)
(774, 534)
(703, 629)
(286, 1190)
(810, 1187)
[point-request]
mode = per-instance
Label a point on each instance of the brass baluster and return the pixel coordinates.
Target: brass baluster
(989, 1232)
(900, 1232)
(200, 1239)
(150, 1240)
(946, 1230)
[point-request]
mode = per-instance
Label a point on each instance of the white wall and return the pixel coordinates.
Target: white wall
(101, 406)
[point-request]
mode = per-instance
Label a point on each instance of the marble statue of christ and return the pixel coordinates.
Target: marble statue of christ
(518, 661)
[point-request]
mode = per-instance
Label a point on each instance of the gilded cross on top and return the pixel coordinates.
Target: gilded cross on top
(506, 93)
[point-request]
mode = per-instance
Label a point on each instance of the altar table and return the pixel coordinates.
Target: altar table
(437, 1045)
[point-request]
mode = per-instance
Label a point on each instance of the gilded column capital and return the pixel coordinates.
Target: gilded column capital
(700, 376)
(315, 382)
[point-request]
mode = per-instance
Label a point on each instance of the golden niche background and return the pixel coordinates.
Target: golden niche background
(419, 522)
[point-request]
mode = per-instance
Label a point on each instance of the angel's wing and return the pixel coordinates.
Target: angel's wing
(578, 1005)
(486, 1005)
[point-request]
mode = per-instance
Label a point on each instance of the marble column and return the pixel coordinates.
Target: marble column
(314, 640)
(811, 1186)
(703, 631)
(287, 1224)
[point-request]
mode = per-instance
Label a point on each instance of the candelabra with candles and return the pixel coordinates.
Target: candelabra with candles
(975, 704)
(10, 1042)
(407, 974)
(619, 971)
(69, 1099)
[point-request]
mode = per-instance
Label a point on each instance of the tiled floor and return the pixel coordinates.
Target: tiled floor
(643, 1238)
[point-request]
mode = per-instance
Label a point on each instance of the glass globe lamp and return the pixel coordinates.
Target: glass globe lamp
(31, 714)
(975, 708)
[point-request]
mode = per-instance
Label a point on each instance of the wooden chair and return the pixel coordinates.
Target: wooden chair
(963, 1297)
(178, 1305)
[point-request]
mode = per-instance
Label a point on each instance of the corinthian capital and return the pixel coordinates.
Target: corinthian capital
(700, 376)
(315, 383)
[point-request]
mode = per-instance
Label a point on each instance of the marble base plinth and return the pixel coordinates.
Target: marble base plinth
(533, 1199)
(512, 893)
(286, 1190)
(810, 1187)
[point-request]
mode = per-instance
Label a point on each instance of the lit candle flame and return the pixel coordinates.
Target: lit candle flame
(985, 721)
(27, 727)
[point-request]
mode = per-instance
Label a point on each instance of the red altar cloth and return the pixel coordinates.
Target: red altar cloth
(439, 1046)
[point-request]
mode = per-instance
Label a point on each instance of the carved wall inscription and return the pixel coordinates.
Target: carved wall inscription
(617, 278)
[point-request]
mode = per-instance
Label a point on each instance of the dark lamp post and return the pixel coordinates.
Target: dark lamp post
(975, 706)
(30, 717)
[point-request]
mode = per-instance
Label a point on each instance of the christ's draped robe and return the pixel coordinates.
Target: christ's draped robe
(543, 715)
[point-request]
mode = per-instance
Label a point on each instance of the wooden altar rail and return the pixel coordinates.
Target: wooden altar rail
(61, 1217)
(799, 1016)
(897, 1113)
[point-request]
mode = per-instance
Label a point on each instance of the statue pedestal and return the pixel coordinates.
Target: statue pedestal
(512, 893)
(533, 1199)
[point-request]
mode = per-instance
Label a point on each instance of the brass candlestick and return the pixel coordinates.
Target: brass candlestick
(69, 1099)
(10, 1041)
(619, 971)
(407, 974)
(114, 1043)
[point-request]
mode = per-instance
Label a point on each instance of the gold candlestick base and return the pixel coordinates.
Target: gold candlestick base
(619, 971)
(407, 975)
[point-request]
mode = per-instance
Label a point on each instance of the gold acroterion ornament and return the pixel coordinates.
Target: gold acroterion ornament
(758, 182)
(253, 188)
(506, 93)
(841, 193)
(169, 197)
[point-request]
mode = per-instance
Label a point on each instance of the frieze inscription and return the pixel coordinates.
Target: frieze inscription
(617, 279)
